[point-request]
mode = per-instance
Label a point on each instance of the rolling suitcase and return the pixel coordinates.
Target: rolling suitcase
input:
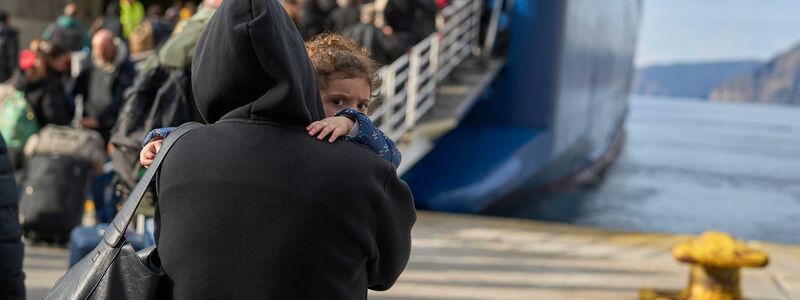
(60, 164)
(53, 192)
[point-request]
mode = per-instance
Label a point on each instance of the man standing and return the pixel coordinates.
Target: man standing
(9, 48)
(102, 86)
(103, 83)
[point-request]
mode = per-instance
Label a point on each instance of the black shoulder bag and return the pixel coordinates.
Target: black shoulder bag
(114, 270)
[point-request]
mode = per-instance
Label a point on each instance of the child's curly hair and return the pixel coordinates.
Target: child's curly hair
(333, 54)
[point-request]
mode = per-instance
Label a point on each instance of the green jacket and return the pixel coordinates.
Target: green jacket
(177, 51)
(130, 16)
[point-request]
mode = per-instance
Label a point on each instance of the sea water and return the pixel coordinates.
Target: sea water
(689, 166)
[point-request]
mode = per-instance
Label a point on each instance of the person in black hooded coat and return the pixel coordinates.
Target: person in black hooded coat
(251, 206)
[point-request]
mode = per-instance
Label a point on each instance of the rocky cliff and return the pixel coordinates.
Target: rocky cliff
(688, 80)
(777, 81)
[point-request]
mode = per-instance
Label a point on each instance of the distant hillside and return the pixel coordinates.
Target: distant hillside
(688, 80)
(777, 81)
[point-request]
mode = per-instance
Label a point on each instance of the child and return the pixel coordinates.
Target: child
(347, 78)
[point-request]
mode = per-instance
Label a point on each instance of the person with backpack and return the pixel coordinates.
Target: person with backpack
(67, 32)
(161, 96)
(9, 47)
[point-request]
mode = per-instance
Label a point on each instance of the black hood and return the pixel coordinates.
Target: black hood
(250, 63)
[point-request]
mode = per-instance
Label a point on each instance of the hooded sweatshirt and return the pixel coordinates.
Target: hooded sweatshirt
(251, 207)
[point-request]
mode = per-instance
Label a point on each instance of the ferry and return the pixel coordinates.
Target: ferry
(481, 120)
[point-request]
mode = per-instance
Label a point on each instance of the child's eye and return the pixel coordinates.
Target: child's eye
(338, 101)
(363, 106)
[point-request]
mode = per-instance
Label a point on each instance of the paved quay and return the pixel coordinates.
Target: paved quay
(476, 257)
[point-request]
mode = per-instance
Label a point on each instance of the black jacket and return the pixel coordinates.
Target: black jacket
(342, 17)
(9, 51)
(103, 90)
(411, 20)
(314, 17)
(251, 207)
(11, 248)
(382, 48)
(47, 99)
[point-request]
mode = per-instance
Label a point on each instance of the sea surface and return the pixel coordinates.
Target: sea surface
(689, 166)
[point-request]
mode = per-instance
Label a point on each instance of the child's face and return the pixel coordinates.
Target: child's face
(341, 92)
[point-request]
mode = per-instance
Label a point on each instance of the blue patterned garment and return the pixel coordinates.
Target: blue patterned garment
(366, 134)
(161, 133)
(371, 137)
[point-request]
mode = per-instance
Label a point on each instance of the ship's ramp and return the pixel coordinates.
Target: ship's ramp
(427, 91)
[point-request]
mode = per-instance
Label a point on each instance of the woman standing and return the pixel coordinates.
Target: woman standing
(43, 68)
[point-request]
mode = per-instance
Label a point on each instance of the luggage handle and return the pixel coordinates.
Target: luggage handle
(113, 236)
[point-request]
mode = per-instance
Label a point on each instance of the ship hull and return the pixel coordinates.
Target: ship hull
(554, 115)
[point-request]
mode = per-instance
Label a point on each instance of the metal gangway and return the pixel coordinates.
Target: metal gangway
(412, 82)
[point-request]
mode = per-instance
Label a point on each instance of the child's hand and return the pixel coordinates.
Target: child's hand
(149, 151)
(335, 126)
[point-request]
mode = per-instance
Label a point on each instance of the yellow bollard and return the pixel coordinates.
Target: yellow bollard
(715, 259)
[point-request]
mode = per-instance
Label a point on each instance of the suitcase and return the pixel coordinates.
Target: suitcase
(52, 196)
(60, 163)
(67, 141)
(84, 239)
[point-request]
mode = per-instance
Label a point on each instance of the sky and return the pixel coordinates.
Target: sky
(681, 31)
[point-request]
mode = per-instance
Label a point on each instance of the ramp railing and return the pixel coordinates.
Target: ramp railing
(409, 83)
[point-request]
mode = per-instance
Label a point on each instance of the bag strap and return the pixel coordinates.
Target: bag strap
(116, 230)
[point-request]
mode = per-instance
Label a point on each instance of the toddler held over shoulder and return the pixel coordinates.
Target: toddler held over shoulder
(347, 79)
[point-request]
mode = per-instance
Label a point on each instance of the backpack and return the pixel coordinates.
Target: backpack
(17, 120)
(160, 97)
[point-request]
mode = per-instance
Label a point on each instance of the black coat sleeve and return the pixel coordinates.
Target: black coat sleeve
(390, 45)
(392, 235)
(54, 106)
(11, 248)
(80, 86)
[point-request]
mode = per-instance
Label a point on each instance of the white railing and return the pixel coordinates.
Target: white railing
(409, 83)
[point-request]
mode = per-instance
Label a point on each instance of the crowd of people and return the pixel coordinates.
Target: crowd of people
(90, 76)
(77, 74)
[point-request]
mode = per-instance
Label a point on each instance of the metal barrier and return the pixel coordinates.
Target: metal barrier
(409, 83)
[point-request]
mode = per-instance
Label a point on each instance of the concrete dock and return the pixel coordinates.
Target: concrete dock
(475, 257)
